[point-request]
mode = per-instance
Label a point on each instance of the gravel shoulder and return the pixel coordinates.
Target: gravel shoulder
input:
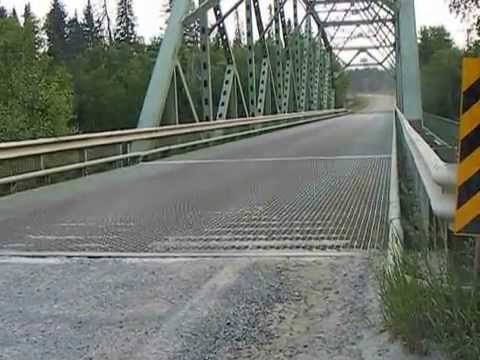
(258, 308)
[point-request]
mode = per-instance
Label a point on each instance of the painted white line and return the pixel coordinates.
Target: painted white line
(76, 224)
(8, 255)
(51, 237)
(95, 225)
(302, 158)
(70, 237)
(32, 260)
(89, 245)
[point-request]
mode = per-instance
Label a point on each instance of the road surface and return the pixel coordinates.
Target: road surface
(226, 309)
(315, 187)
(264, 307)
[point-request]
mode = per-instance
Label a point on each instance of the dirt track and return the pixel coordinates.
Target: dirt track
(324, 308)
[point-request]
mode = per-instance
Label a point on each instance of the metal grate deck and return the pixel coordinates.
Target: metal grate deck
(304, 204)
(329, 204)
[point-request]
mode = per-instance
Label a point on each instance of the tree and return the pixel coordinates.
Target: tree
(237, 38)
(56, 30)
(440, 64)
(191, 32)
(165, 14)
(106, 22)
(469, 10)
(14, 16)
(3, 13)
(270, 21)
(36, 97)
(433, 39)
(75, 40)
(91, 27)
(31, 31)
(125, 27)
(441, 82)
(110, 85)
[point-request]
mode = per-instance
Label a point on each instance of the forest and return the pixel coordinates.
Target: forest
(68, 74)
(87, 72)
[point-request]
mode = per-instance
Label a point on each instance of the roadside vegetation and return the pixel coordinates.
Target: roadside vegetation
(429, 308)
(431, 299)
(88, 72)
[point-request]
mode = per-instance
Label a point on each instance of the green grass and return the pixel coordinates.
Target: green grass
(423, 305)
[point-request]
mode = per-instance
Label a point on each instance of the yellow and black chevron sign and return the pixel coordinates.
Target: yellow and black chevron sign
(467, 217)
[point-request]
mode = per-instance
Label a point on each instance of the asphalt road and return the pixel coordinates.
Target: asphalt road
(312, 187)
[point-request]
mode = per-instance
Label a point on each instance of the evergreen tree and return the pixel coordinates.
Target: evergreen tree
(106, 22)
(36, 97)
(75, 41)
(56, 30)
(125, 27)
(91, 27)
(3, 13)
(31, 30)
(14, 16)
(270, 21)
(165, 14)
(237, 39)
(217, 40)
(191, 32)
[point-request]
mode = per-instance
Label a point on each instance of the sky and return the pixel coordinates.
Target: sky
(150, 19)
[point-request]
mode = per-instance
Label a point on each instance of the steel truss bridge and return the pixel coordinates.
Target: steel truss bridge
(288, 173)
(311, 46)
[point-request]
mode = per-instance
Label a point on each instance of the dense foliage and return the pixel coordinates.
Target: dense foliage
(36, 99)
(469, 11)
(440, 64)
(77, 74)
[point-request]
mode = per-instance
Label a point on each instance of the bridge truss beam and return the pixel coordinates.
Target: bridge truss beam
(379, 34)
(290, 55)
(278, 57)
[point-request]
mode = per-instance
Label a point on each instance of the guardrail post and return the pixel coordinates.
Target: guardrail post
(128, 150)
(13, 188)
(47, 178)
(84, 159)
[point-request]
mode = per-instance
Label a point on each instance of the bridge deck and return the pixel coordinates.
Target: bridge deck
(316, 187)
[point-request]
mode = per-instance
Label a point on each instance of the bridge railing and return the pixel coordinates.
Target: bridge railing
(395, 229)
(428, 181)
(29, 164)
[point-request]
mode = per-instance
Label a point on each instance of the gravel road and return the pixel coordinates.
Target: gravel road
(257, 308)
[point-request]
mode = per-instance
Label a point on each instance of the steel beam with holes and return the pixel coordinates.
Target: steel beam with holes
(252, 84)
(205, 71)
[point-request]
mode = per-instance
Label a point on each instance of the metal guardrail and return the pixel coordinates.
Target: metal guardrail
(438, 177)
(395, 230)
(431, 179)
(34, 163)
